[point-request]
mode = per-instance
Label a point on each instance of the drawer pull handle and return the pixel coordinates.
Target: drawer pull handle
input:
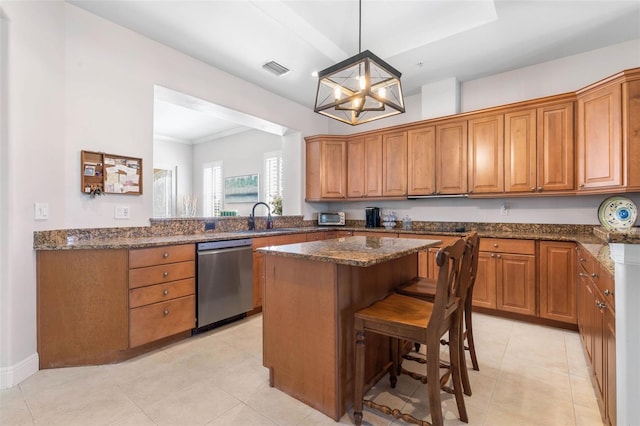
(601, 305)
(165, 274)
(166, 312)
(593, 274)
(165, 292)
(165, 255)
(582, 274)
(493, 255)
(540, 188)
(533, 189)
(495, 244)
(608, 293)
(583, 260)
(499, 256)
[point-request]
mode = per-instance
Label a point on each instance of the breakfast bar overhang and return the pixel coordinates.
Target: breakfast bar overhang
(311, 291)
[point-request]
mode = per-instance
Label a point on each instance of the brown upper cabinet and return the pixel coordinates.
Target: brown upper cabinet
(437, 159)
(486, 154)
(451, 157)
(364, 166)
(608, 142)
(326, 165)
(583, 142)
(421, 146)
(394, 164)
(539, 148)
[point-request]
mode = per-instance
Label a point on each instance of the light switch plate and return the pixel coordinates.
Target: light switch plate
(122, 212)
(41, 211)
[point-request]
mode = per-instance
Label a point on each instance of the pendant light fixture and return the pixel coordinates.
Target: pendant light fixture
(360, 89)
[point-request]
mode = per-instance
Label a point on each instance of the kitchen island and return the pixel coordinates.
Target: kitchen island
(311, 291)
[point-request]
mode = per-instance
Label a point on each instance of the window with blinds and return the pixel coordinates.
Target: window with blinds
(272, 176)
(212, 188)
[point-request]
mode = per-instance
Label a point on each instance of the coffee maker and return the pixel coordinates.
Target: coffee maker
(372, 217)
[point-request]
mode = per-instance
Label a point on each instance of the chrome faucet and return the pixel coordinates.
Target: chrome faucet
(252, 218)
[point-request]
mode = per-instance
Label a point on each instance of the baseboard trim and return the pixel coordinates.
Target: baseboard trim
(12, 375)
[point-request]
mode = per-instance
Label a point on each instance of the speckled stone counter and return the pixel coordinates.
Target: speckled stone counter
(193, 230)
(354, 251)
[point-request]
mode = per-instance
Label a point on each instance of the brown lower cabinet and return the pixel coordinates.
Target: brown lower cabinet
(506, 278)
(99, 306)
(596, 322)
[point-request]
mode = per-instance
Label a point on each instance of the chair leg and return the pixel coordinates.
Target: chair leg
(469, 337)
(433, 386)
(396, 360)
(359, 377)
(458, 370)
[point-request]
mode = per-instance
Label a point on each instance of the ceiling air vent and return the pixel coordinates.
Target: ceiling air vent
(275, 68)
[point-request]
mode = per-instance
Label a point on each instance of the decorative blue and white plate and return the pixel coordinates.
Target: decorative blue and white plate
(617, 213)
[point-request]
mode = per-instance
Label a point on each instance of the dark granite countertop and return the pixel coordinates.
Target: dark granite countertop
(594, 239)
(354, 251)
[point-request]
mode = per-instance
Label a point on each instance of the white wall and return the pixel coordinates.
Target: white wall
(550, 78)
(241, 154)
(33, 166)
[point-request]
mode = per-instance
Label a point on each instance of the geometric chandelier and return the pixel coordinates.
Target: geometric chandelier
(360, 89)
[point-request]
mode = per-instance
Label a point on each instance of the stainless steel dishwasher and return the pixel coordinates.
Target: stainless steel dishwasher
(225, 281)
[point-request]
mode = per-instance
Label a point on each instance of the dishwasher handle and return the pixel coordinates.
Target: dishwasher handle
(224, 244)
(222, 250)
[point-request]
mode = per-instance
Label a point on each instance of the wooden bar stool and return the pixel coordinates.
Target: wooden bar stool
(405, 318)
(425, 289)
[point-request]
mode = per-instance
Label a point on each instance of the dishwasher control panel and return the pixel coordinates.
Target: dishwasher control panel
(213, 245)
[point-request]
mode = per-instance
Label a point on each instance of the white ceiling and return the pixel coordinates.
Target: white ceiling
(426, 40)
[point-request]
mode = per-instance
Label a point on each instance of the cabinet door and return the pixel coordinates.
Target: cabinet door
(555, 148)
(373, 165)
(599, 143)
(333, 169)
(258, 278)
(557, 281)
(598, 359)
(422, 160)
(364, 166)
(486, 154)
(394, 169)
(484, 290)
(520, 151)
(356, 166)
(451, 158)
(610, 345)
(516, 278)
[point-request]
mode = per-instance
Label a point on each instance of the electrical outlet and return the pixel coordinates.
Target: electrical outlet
(504, 210)
(41, 211)
(122, 212)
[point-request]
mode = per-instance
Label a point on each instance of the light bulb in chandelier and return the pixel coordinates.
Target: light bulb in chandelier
(337, 93)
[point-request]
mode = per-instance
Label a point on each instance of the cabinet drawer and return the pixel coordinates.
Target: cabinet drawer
(505, 245)
(606, 284)
(161, 274)
(153, 322)
(139, 258)
(587, 263)
(161, 292)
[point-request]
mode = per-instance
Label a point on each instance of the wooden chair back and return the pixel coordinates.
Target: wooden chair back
(454, 261)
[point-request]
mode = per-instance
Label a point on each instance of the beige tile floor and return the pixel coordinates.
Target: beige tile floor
(529, 375)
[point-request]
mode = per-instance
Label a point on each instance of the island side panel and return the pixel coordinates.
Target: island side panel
(359, 288)
(300, 335)
(308, 331)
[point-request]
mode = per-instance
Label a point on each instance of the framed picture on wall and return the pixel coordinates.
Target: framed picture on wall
(241, 189)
